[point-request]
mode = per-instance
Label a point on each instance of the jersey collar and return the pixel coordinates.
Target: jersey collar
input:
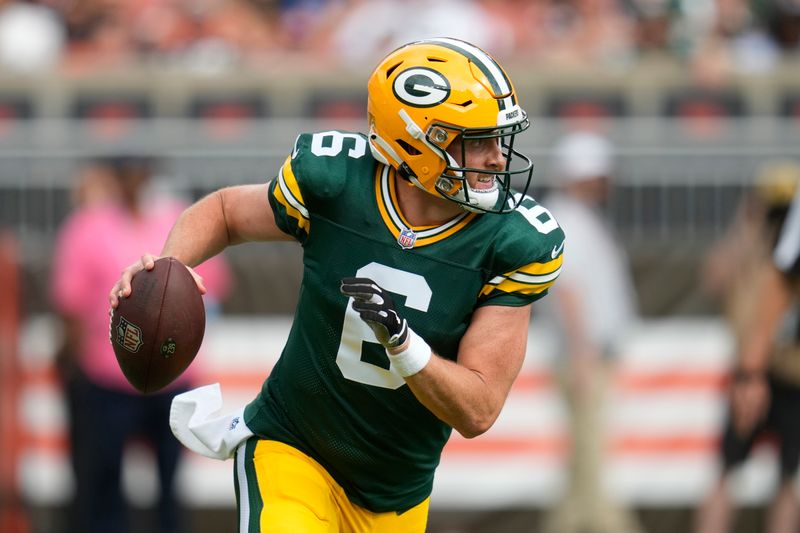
(396, 223)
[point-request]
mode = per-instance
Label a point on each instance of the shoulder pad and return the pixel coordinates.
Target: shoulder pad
(322, 161)
(534, 231)
(528, 252)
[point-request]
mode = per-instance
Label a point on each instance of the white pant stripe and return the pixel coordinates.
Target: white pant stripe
(244, 494)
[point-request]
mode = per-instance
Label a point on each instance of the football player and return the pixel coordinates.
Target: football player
(763, 249)
(420, 266)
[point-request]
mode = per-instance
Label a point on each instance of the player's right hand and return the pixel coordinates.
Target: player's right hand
(122, 288)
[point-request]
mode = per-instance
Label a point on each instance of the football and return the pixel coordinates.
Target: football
(157, 330)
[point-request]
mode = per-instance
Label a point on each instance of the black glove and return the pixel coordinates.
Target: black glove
(376, 308)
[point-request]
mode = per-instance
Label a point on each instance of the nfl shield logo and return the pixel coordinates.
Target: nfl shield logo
(129, 335)
(406, 239)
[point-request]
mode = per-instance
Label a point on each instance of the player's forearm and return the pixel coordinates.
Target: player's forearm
(469, 394)
(774, 301)
(457, 395)
(199, 233)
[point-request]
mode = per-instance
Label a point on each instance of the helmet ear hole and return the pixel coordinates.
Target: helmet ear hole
(410, 150)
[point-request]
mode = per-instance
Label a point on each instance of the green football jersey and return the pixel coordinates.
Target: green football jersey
(333, 393)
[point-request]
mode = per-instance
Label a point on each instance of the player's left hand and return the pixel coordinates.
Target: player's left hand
(376, 308)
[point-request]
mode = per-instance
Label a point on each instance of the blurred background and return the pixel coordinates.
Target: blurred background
(695, 99)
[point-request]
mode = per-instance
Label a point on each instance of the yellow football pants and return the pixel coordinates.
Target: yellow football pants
(282, 490)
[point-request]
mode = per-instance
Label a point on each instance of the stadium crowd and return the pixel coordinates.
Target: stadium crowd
(216, 35)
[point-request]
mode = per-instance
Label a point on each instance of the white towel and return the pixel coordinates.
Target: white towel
(195, 421)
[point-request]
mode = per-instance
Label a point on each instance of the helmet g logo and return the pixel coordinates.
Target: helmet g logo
(421, 87)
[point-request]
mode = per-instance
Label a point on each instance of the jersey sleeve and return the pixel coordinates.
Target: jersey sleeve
(529, 259)
(288, 203)
(313, 177)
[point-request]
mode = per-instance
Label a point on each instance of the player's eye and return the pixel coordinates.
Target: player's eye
(485, 143)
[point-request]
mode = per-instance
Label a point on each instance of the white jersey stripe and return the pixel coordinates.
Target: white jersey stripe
(287, 193)
(395, 216)
(528, 278)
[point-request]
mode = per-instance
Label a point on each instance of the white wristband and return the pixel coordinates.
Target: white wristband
(413, 358)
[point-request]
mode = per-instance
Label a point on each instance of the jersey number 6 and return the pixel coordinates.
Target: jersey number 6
(355, 332)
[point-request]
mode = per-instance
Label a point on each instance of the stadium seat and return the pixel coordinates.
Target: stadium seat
(110, 116)
(14, 110)
(225, 117)
(327, 105)
(586, 105)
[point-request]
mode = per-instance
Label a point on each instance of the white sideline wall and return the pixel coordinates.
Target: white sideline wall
(663, 422)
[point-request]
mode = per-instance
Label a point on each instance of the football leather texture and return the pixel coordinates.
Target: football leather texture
(157, 330)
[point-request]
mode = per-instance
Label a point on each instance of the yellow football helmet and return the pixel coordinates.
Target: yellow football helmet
(426, 95)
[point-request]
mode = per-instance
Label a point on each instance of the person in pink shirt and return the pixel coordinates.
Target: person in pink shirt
(115, 214)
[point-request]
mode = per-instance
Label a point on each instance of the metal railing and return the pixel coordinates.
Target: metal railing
(676, 187)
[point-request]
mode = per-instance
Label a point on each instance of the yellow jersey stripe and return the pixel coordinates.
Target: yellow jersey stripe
(538, 269)
(288, 194)
(521, 283)
(292, 188)
(385, 181)
(511, 286)
(387, 219)
(390, 184)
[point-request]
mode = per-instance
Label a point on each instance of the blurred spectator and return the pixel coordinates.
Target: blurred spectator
(580, 32)
(31, 37)
(751, 47)
(367, 26)
(594, 307)
(520, 26)
(726, 38)
(96, 186)
(715, 36)
(758, 292)
(653, 21)
(231, 33)
(300, 20)
(98, 35)
(208, 36)
(116, 215)
(782, 20)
